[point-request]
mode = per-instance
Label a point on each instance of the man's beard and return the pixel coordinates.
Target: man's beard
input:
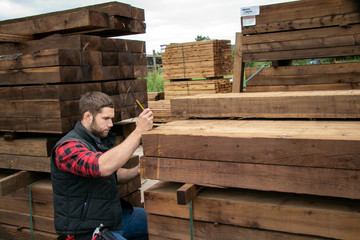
(96, 130)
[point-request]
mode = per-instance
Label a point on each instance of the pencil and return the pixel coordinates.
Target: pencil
(140, 105)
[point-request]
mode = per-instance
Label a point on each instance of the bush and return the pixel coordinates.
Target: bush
(155, 81)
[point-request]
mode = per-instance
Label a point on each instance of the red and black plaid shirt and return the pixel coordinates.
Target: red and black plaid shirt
(74, 157)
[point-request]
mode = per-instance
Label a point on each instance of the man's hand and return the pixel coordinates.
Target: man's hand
(145, 121)
(116, 157)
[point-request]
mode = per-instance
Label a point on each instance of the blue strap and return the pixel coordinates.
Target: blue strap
(191, 221)
(31, 217)
(255, 73)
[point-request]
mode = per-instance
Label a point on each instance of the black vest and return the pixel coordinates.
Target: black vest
(82, 203)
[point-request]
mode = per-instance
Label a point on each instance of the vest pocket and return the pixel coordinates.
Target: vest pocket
(85, 207)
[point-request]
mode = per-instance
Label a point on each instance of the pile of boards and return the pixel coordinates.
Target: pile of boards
(200, 59)
(284, 167)
(42, 80)
(264, 165)
(302, 30)
(193, 87)
(46, 63)
(193, 68)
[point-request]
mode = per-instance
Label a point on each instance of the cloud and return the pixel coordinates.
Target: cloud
(166, 21)
(9, 10)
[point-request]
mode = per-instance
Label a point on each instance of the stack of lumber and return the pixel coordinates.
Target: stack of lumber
(108, 19)
(201, 59)
(161, 111)
(155, 96)
(16, 214)
(276, 173)
(306, 30)
(193, 87)
(40, 90)
(41, 80)
(46, 63)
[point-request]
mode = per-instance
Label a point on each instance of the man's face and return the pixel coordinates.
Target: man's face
(102, 122)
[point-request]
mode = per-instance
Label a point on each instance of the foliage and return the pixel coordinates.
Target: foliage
(155, 81)
(202, 38)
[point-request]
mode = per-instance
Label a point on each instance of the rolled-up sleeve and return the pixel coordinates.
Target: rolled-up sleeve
(74, 157)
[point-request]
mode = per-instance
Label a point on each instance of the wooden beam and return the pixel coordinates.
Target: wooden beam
(17, 180)
(187, 193)
(290, 213)
(170, 228)
(291, 143)
(239, 66)
(14, 38)
(292, 179)
(301, 104)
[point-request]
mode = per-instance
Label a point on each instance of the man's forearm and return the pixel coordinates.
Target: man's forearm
(116, 157)
(125, 175)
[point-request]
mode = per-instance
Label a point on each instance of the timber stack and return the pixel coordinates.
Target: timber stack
(257, 165)
(46, 63)
(318, 31)
(193, 68)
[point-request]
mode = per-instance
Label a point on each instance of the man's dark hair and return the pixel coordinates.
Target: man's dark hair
(94, 102)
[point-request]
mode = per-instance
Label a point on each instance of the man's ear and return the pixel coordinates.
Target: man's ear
(88, 117)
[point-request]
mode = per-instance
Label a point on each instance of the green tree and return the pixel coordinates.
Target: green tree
(202, 38)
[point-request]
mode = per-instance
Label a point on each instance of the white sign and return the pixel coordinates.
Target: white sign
(250, 11)
(249, 21)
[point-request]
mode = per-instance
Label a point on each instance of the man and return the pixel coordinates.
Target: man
(85, 173)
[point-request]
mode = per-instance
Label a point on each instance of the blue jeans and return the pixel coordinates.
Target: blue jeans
(134, 225)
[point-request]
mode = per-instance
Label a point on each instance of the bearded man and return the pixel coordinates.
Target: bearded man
(85, 172)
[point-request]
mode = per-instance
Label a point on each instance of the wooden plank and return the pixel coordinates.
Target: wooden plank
(41, 223)
(309, 74)
(26, 163)
(187, 193)
(138, 46)
(38, 125)
(304, 9)
(312, 87)
(74, 42)
(47, 91)
(292, 143)
(17, 180)
(301, 35)
(41, 191)
(45, 58)
(21, 205)
(41, 75)
(238, 69)
(327, 42)
(119, 26)
(288, 213)
(307, 23)
(302, 54)
(39, 108)
(13, 232)
(291, 179)
(301, 104)
(57, 22)
(162, 227)
(14, 38)
(28, 146)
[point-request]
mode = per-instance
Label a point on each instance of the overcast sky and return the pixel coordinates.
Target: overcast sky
(167, 21)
